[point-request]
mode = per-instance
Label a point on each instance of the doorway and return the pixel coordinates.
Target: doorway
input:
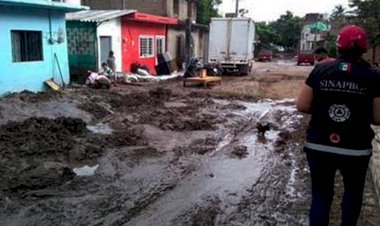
(105, 48)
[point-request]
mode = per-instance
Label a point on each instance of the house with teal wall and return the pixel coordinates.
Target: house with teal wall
(34, 44)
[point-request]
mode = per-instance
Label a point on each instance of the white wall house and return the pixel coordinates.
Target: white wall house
(109, 38)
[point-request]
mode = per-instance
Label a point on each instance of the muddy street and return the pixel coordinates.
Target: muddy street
(162, 154)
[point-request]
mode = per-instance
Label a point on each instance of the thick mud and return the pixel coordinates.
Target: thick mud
(156, 156)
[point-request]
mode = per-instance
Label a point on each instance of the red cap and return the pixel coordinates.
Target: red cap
(352, 36)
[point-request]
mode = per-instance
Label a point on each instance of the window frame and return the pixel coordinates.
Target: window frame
(149, 53)
(23, 53)
(163, 47)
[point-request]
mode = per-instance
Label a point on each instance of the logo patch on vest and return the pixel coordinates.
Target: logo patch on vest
(345, 67)
(339, 112)
(334, 138)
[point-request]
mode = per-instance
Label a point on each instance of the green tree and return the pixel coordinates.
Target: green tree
(288, 27)
(207, 9)
(367, 14)
(266, 35)
(338, 12)
(331, 45)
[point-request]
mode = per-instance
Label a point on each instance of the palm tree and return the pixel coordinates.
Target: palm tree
(338, 12)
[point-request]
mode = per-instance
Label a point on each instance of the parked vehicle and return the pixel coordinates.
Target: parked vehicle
(265, 55)
(193, 68)
(232, 44)
(305, 57)
(214, 69)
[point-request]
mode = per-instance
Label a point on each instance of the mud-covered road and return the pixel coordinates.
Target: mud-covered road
(161, 154)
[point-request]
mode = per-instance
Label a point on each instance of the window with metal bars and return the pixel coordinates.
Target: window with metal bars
(160, 44)
(146, 46)
(26, 46)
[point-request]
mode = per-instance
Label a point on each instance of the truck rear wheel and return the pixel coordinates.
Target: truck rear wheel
(244, 69)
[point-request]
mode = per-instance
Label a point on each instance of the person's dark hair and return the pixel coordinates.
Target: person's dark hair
(104, 64)
(320, 50)
(110, 53)
(353, 52)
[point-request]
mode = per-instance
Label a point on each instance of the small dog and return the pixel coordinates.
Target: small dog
(261, 129)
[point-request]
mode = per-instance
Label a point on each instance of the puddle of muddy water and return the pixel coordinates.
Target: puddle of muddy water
(286, 62)
(85, 170)
(229, 181)
(100, 128)
(141, 188)
(221, 175)
(174, 104)
(19, 112)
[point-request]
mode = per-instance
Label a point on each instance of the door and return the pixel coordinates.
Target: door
(240, 43)
(180, 50)
(105, 47)
(219, 39)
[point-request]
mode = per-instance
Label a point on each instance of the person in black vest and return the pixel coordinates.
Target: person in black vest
(343, 98)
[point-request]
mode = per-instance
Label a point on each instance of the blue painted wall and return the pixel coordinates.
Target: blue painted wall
(18, 76)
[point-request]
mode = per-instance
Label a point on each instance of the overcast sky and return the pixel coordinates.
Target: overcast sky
(269, 10)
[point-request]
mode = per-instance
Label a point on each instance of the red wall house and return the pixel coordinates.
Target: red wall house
(143, 36)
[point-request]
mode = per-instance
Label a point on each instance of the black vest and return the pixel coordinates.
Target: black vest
(342, 107)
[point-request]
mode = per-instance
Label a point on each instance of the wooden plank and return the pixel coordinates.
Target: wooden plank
(53, 85)
(204, 80)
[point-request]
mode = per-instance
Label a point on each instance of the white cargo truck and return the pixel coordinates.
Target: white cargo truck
(232, 43)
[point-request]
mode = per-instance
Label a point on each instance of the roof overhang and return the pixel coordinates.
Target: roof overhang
(144, 17)
(97, 16)
(43, 4)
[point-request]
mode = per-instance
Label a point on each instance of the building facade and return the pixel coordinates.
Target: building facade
(176, 34)
(170, 8)
(33, 35)
(310, 40)
(92, 34)
(132, 36)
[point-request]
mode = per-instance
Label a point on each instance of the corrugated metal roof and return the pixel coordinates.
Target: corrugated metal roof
(97, 15)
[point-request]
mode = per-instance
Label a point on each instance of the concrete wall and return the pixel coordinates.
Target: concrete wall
(132, 30)
(103, 4)
(156, 7)
(18, 76)
(183, 9)
(200, 42)
(111, 28)
(308, 38)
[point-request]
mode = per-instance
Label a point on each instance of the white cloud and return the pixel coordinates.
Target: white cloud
(269, 10)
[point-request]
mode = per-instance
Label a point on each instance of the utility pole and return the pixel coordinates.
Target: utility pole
(188, 25)
(237, 8)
